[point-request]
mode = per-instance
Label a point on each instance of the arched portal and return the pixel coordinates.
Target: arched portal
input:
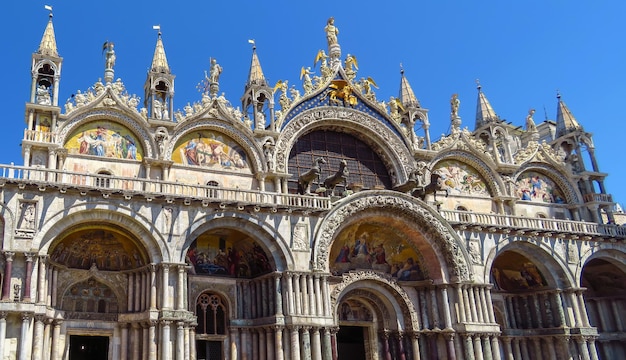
(605, 299)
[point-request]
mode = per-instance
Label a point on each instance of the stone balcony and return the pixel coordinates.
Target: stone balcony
(152, 189)
(527, 226)
(598, 198)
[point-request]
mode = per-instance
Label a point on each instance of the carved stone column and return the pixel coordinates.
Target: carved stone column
(41, 280)
(8, 267)
(3, 332)
(166, 351)
(29, 275)
(316, 344)
(180, 294)
(123, 341)
(38, 337)
(152, 341)
(295, 343)
(278, 295)
(153, 290)
(278, 343)
(165, 303)
(449, 336)
(180, 341)
(306, 342)
(136, 342)
(56, 339)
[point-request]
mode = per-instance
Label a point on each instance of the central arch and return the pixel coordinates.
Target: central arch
(445, 250)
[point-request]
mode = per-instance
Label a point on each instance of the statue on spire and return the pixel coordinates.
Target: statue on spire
(109, 61)
(331, 32)
(334, 50)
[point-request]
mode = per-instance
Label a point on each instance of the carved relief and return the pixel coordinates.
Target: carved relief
(300, 237)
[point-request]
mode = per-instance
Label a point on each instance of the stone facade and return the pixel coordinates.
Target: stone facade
(314, 225)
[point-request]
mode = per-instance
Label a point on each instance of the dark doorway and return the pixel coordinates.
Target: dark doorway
(351, 342)
(209, 350)
(89, 347)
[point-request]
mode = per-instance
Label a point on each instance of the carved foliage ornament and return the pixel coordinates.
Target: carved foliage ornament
(430, 225)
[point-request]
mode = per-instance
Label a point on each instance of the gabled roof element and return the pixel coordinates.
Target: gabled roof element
(484, 111)
(48, 45)
(407, 97)
(565, 121)
(159, 60)
(256, 77)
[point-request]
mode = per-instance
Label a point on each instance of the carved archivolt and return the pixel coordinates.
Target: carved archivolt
(389, 147)
(408, 310)
(248, 145)
(570, 193)
(432, 226)
(140, 132)
(491, 180)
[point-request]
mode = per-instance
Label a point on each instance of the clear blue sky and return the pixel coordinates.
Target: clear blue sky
(522, 52)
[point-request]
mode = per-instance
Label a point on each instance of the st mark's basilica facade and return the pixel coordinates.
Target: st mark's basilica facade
(310, 222)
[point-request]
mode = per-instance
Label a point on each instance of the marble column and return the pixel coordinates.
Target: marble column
(508, 350)
(47, 340)
(56, 339)
(165, 290)
(234, 333)
(460, 302)
(3, 332)
(123, 341)
(152, 341)
(136, 342)
(166, 351)
(491, 312)
(192, 342)
(495, 347)
(153, 288)
(316, 345)
(187, 352)
(288, 278)
(8, 267)
(306, 343)
(583, 308)
(318, 296)
(278, 343)
(582, 348)
(38, 337)
(295, 343)
(296, 294)
(180, 294)
(488, 355)
(446, 306)
(28, 276)
(278, 295)
(262, 344)
(180, 341)
(469, 347)
(41, 279)
(574, 303)
(415, 345)
(327, 351)
(450, 345)
(478, 348)
(24, 332)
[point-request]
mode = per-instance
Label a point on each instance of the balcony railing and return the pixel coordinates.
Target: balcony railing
(40, 136)
(529, 225)
(606, 198)
(151, 188)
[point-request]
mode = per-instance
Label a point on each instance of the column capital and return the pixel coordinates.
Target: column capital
(166, 322)
(40, 318)
(30, 256)
(26, 316)
(3, 315)
(8, 255)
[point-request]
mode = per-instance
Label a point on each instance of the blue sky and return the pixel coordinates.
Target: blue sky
(521, 51)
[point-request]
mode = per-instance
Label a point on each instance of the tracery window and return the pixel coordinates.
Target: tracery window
(211, 313)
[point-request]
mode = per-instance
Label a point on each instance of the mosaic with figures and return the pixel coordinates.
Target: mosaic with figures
(461, 179)
(210, 149)
(377, 247)
(227, 253)
(104, 139)
(533, 186)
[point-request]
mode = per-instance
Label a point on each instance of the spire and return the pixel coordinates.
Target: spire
(48, 45)
(159, 61)
(255, 77)
(407, 97)
(565, 121)
(484, 111)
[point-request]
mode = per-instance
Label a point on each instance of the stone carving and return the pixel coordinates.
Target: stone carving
(304, 180)
(43, 95)
(28, 213)
(340, 176)
(300, 237)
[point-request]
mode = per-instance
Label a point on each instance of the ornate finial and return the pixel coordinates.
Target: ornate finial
(401, 69)
(558, 94)
(251, 41)
(478, 86)
(158, 28)
(49, 8)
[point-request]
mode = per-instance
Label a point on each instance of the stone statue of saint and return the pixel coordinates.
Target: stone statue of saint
(110, 55)
(454, 106)
(331, 32)
(530, 123)
(215, 71)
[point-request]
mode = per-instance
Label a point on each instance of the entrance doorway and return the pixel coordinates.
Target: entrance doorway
(351, 342)
(209, 350)
(89, 347)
